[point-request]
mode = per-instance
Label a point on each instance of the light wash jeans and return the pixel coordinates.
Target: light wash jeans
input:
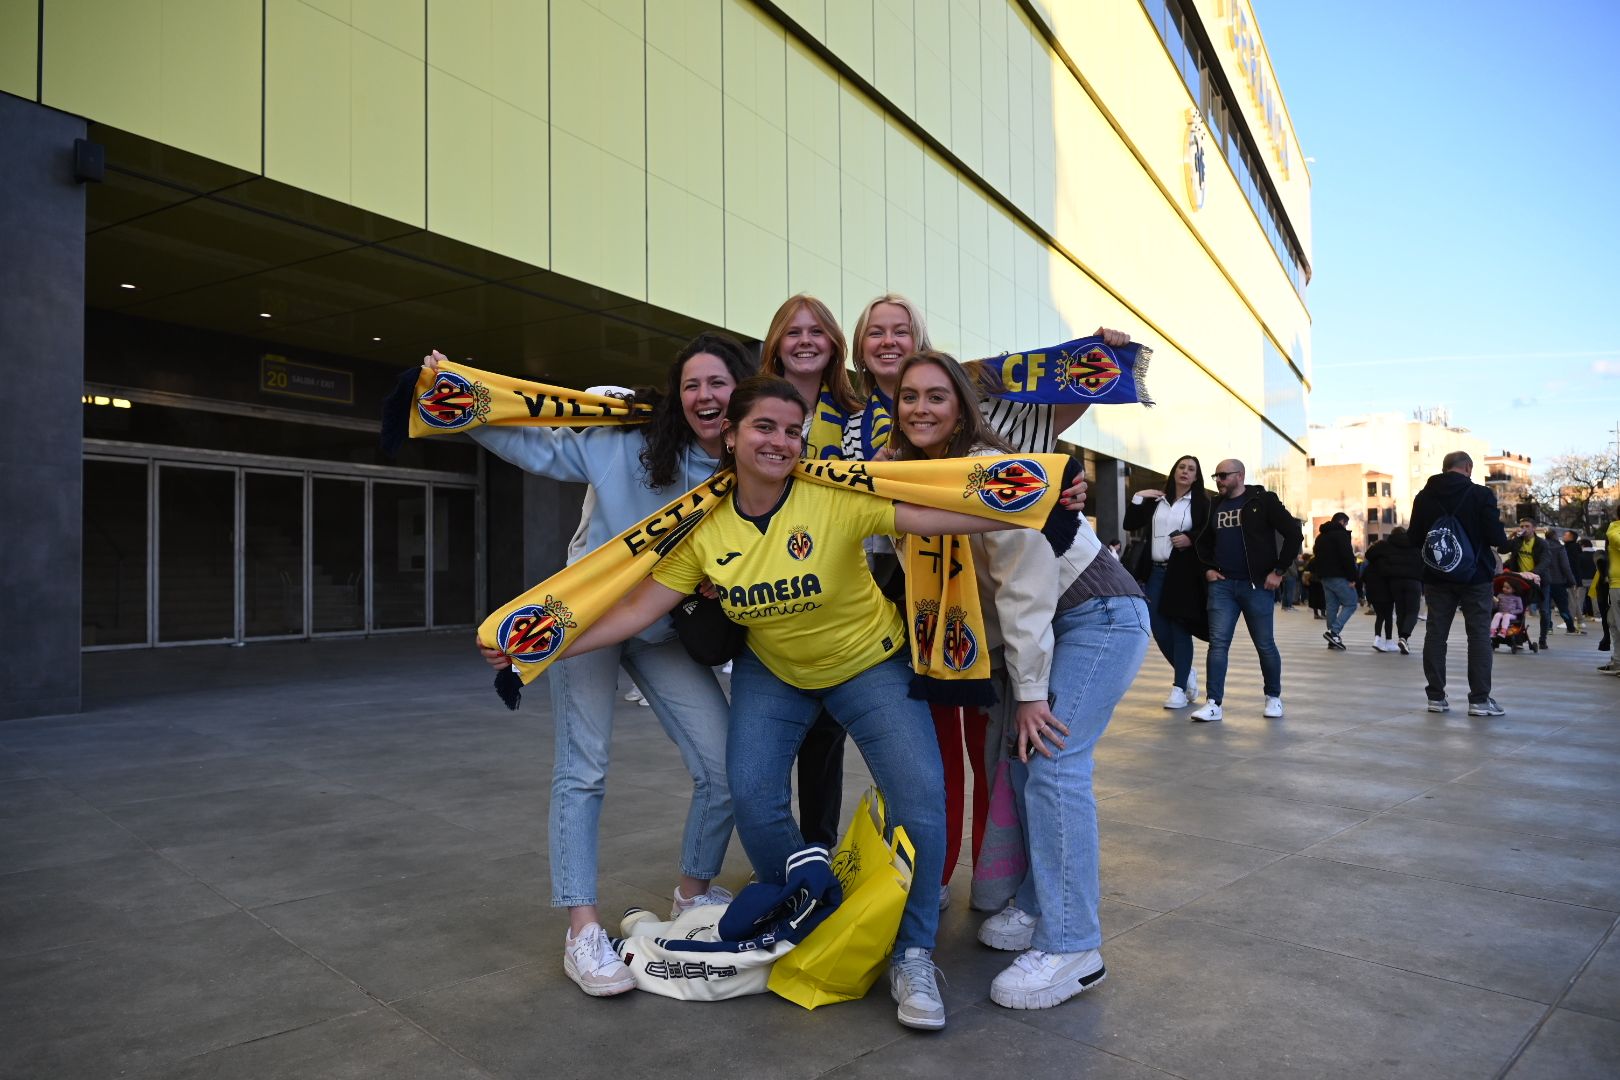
(1174, 640)
(1226, 599)
(1341, 602)
(1098, 649)
(687, 700)
(895, 735)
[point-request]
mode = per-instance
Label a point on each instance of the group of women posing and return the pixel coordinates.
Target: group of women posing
(1072, 631)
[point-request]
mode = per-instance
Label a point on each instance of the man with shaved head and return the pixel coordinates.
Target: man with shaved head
(1246, 546)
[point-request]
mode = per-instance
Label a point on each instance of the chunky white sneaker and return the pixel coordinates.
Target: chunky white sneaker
(944, 897)
(715, 895)
(590, 961)
(1192, 687)
(1273, 708)
(1210, 713)
(1177, 699)
(1011, 929)
(1040, 980)
(635, 696)
(912, 985)
(1378, 643)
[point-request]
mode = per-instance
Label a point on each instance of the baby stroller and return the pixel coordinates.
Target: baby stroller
(1517, 633)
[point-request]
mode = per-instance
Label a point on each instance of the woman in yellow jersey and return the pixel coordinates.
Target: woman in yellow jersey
(1073, 631)
(787, 562)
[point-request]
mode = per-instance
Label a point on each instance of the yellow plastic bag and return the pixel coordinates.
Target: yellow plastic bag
(844, 956)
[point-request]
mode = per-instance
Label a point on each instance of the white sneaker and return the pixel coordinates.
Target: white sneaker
(944, 897)
(715, 895)
(912, 985)
(1040, 980)
(1210, 713)
(635, 696)
(1378, 643)
(1403, 648)
(590, 961)
(1192, 686)
(1178, 699)
(1011, 929)
(1273, 708)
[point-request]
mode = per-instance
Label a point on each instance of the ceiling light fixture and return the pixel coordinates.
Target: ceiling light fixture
(376, 339)
(125, 285)
(264, 314)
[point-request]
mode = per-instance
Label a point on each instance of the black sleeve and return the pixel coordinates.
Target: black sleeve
(1293, 537)
(1491, 527)
(1140, 515)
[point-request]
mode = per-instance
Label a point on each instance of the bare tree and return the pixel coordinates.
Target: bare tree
(1582, 484)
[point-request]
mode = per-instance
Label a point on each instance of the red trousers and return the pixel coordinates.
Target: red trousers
(952, 725)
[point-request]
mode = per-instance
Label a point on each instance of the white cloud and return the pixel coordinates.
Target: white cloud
(1606, 367)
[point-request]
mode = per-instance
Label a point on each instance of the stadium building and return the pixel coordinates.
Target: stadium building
(228, 223)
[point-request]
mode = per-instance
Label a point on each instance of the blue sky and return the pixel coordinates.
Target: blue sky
(1466, 210)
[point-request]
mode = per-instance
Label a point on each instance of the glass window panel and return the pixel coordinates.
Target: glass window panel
(114, 578)
(273, 554)
(338, 554)
(196, 553)
(398, 556)
(454, 557)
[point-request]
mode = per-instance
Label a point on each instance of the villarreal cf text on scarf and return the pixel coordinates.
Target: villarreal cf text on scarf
(1085, 371)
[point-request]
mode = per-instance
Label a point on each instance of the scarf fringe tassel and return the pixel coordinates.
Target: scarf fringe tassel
(509, 686)
(1139, 371)
(1062, 525)
(396, 413)
(962, 693)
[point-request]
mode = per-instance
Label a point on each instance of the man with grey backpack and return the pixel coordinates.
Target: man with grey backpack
(1456, 522)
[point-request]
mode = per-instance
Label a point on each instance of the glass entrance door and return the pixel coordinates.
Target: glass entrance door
(196, 553)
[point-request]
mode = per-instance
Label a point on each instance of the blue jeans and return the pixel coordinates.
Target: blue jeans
(894, 733)
(1226, 599)
(687, 700)
(1341, 602)
(1174, 639)
(1098, 650)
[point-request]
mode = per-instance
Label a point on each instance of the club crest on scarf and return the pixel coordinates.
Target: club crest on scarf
(961, 644)
(924, 625)
(1010, 486)
(1090, 372)
(453, 402)
(800, 544)
(531, 634)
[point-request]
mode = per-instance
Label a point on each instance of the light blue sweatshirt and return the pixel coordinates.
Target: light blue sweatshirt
(608, 459)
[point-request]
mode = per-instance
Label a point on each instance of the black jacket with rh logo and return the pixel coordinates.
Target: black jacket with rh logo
(1271, 536)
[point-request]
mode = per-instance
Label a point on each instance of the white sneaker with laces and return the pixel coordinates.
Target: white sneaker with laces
(1177, 699)
(1011, 929)
(1040, 980)
(1378, 643)
(1192, 686)
(715, 895)
(1209, 714)
(1273, 708)
(912, 985)
(1403, 648)
(590, 961)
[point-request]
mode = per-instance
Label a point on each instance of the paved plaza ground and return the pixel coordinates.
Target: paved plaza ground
(329, 861)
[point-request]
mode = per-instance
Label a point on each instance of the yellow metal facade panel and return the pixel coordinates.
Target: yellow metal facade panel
(400, 23)
(755, 55)
(598, 81)
(104, 61)
(388, 130)
(686, 253)
(460, 140)
(810, 14)
(684, 144)
(307, 108)
(756, 169)
(459, 34)
(812, 102)
(756, 276)
(933, 64)
(209, 83)
(598, 216)
(810, 273)
(688, 32)
(966, 137)
(849, 34)
(520, 185)
(19, 47)
(894, 54)
(812, 202)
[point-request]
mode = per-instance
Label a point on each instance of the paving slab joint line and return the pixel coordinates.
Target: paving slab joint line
(1022, 1017)
(1535, 1029)
(1453, 881)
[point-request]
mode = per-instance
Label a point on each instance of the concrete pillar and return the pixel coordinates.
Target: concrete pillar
(41, 443)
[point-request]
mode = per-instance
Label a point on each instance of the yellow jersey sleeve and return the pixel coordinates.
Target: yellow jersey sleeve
(681, 569)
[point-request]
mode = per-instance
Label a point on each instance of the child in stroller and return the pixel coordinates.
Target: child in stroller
(1508, 626)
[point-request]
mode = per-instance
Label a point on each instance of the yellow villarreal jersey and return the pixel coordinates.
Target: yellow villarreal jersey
(801, 587)
(1527, 555)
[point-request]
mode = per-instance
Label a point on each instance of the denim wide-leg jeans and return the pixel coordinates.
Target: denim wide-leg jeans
(895, 734)
(1099, 648)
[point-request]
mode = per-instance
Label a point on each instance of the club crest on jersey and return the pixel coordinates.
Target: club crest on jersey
(1090, 373)
(961, 644)
(924, 625)
(799, 543)
(1009, 486)
(531, 634)
(453, 402)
